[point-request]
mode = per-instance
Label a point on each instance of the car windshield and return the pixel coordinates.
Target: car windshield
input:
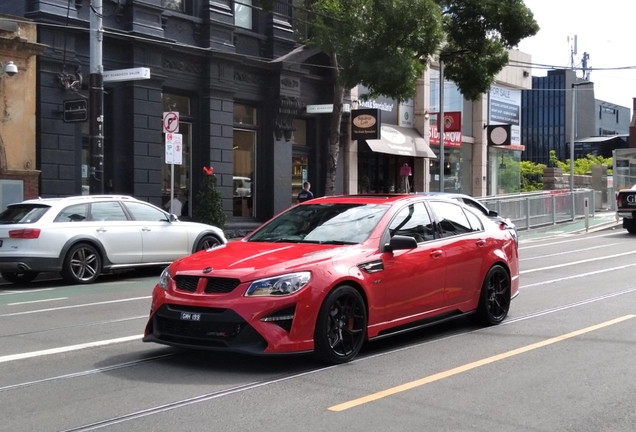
(22, 214)
(323, 223)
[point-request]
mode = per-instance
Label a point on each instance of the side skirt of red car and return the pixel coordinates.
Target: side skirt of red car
(416, 325)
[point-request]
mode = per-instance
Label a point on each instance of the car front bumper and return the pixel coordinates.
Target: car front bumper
(231, 322)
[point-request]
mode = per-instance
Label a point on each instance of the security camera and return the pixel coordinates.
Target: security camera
(10, 68)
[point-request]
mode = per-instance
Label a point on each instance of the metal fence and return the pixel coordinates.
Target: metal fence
(536, 209)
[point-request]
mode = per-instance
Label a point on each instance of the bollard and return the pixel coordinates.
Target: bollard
(586, 208)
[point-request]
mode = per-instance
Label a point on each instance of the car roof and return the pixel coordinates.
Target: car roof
(363, 199)
(78, 198)
(446, 194)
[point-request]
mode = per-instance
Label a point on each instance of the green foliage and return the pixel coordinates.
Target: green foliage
(531, 176)
(582, 166)
(209, 209)
(386, 44)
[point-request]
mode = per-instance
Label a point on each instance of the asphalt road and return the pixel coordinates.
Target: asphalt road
(71, 359)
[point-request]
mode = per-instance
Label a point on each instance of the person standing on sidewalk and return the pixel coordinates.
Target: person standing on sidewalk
(305, 194)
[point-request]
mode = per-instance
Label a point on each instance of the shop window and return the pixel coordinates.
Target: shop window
(300, 132)
(243, 14)
(244, 115)
(243, 180)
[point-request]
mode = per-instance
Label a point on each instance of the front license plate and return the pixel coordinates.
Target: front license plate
(185, 316)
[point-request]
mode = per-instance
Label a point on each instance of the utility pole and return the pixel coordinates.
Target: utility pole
(572, 140)
(440, 124)
(96, 99)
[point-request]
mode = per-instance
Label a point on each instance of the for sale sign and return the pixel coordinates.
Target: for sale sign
(174, 149)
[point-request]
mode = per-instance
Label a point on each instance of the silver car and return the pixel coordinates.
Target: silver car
(82, 236)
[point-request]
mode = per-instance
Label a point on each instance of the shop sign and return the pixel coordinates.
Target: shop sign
(365, 124)
(75, 111)
(505, 109)
(451, 139)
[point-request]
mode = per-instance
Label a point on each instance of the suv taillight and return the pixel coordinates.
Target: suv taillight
(619, 201)
(27, 233)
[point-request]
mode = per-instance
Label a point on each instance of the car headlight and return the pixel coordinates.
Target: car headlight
(279, 285)
(164, 279)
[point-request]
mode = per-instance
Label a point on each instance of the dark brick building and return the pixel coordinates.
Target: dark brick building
(236, 75)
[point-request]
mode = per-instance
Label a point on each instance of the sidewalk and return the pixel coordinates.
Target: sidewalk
(600, 221)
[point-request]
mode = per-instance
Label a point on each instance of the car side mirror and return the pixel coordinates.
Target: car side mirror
(399, 242)
(492, 213)
(172, 218)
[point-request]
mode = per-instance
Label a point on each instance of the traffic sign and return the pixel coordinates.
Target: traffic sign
(174, 149)
(171, 122)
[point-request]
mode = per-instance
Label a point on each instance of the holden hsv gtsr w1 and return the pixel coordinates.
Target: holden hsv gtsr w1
(331, 273)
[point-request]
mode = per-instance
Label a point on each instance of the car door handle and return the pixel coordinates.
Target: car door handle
(101, 230)
(146, 229)
(436, 254)
(480, 242)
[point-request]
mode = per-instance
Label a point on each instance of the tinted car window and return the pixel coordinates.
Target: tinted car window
(145, 213)
(476, 206)
(108, 211)
(475, 222)
(22, 214)
(413, 221)
(451, 217)
(74, 213)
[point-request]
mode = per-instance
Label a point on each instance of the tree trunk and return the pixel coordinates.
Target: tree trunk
(334, 129)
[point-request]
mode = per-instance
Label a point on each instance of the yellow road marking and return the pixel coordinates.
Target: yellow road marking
(470, 366)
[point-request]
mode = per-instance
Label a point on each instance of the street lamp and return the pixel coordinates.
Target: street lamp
(572, 139)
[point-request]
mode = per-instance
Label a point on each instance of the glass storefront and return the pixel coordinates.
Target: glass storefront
(504, 171)
(380, 172)
(244, 157)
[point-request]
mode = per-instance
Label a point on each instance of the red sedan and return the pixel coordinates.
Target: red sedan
(331, 273)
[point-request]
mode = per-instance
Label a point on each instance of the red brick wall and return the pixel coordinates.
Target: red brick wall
(30, 178)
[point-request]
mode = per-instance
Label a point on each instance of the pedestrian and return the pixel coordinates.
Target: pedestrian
(305, 194)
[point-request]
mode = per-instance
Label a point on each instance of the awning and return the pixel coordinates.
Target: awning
(401, 141)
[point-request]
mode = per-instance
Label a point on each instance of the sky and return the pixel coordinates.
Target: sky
(603, 31)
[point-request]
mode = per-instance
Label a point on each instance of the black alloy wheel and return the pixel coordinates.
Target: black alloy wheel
(82, 264)
(341, 327)
(208, 242)
(494, 301)
(19, 278)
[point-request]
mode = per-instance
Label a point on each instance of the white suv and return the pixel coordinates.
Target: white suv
(82, 236)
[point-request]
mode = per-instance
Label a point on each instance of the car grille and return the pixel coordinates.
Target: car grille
(214, 285)
(214, 328)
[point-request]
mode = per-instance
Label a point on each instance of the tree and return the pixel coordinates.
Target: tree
(385, 45)
(209, 209)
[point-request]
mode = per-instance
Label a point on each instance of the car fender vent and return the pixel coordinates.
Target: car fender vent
(372, 266)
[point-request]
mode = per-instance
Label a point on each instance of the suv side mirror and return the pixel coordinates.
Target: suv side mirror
(492, 213)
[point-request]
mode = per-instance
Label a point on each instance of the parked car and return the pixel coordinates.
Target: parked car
(472, 202)
(82, 236)
(242, 186)
(331, 273)
(626, 208)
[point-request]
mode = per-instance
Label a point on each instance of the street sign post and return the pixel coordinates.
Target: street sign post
(174, 156)
(139, 73)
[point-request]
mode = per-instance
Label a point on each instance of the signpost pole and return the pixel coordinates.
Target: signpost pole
(440, 122)
(96, 97)
(172, 187)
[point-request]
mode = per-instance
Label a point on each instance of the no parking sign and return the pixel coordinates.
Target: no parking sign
(174, 149)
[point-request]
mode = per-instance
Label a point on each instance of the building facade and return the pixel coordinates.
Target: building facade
(611, 119)
(19, 177)
(547, 115)
(235, 75)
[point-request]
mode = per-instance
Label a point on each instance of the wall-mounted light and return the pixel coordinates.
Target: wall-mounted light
(8, 68)
(426, 115)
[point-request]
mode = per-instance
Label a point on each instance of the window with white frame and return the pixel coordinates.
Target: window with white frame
(243, 14)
